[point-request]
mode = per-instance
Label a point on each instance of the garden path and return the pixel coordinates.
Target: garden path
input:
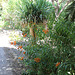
(8, 59)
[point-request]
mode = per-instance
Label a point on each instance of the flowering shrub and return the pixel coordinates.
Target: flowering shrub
(42, 60)
(63, 38)
(55, 57)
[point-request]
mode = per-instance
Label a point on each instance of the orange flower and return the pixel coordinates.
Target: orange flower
(37, 59)
(45, 31)
(19, 57)
(22, 58)
(22, 33)
(25, 35)
(58, 64)
(24, 52)
(14, 42)
(34, 23)
(20, 47)
(11, 43)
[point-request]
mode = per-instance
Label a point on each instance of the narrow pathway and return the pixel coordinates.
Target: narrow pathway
(8, 62)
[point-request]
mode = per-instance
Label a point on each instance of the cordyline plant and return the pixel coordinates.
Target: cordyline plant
(33, 12)
(31, 9)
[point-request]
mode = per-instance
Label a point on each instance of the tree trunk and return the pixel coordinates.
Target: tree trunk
(45, 24)
(57, 12)
(32, 33)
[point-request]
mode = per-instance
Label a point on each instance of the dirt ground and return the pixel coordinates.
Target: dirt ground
(9, 64)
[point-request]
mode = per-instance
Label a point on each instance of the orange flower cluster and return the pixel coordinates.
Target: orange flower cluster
(58, 64)
(22, 33)
(46, 31)
(13, 43)
(24, 52)
(20, 47)
(37, 59)
(25, 35)
(21, 58)
(34, 23)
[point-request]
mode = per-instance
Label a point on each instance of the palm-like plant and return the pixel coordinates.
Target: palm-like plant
(70, 12)
(33, 11)
(35, 8)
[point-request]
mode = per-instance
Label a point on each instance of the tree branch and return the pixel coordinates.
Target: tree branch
(53, 3)
(61, 2)
(63, 7)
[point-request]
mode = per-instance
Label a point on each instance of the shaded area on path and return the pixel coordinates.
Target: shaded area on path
(9, 64)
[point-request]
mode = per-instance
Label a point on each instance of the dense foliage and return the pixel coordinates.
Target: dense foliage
(53, 53)
(70, 12)
(30, 10)
(56, 54)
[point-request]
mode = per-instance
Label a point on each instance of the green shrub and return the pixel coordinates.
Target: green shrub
(55, 56)
(59, 49)
(29, 10)
(63, 38)
(47, 57)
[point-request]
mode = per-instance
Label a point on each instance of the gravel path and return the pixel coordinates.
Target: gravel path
(8, 57)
